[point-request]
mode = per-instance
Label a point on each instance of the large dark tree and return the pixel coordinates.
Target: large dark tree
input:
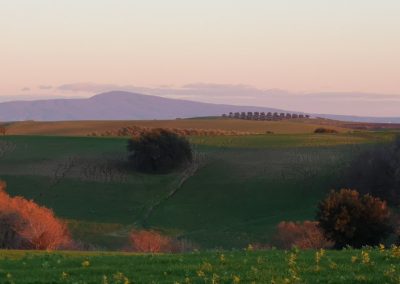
(159, 151)
(377, 172)
(348, 218)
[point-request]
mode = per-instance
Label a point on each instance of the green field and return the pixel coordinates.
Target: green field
(239, 188)
(273, 266)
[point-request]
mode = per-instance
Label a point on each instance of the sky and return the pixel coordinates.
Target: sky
(299, 46)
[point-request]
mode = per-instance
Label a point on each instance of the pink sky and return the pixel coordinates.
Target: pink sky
(300, 46)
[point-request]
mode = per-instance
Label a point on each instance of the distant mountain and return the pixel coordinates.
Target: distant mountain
(121, 105)
(115, 105)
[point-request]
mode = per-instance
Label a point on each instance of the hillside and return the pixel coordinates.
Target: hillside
(243, 186)
(116, 105)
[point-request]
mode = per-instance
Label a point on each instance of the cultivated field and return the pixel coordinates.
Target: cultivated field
(84, 128)
(238, 189)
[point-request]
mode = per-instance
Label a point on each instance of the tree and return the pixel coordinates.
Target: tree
(347, 218)
(377, 172)
(26, 225)
(159, 151)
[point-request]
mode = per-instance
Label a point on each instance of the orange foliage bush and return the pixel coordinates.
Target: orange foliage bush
(306, 235)
(26, 225)
(150, 241)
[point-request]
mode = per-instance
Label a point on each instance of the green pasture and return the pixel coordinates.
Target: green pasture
(240, 188)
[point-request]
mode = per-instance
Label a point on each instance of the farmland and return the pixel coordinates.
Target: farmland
(273, 266)
(83, 128)
(241, 186)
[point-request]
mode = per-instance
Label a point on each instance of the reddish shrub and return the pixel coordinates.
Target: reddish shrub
(26, 225)
(3, 130)
(150, 241)
(306, 235)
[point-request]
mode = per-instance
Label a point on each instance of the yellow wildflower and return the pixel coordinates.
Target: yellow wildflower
(86, 263)
(200, 273)
(64, 275)
(332, 265)
(206, 266)
(365, 257)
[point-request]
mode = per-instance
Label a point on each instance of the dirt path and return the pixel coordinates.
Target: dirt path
(198, 162)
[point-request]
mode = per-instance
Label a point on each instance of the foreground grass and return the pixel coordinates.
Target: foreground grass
(273, 266)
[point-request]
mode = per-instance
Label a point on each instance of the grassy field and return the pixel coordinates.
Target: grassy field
(273, 266)
(241, 188)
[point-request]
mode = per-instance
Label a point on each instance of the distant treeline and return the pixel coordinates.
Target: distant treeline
(265, 116)
(137, 131)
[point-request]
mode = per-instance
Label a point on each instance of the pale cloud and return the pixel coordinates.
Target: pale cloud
(87, 87)
(45, 87)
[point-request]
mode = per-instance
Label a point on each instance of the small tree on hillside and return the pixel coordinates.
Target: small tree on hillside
(347, 218)
(159, 150)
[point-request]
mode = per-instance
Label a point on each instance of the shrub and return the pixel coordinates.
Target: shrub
(325, 130)
(347, 218)
(150, 241)
(305, 235)
(26, 225)
(159, 150)
(3, 130)
(377, 172)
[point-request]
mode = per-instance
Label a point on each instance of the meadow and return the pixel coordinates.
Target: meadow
(377, 265)
(238, 190)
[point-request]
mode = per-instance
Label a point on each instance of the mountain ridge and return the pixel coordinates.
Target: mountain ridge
(123, 105)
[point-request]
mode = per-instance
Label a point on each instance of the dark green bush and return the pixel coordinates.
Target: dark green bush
(159, 151)
(350, 219)
(325, 130)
